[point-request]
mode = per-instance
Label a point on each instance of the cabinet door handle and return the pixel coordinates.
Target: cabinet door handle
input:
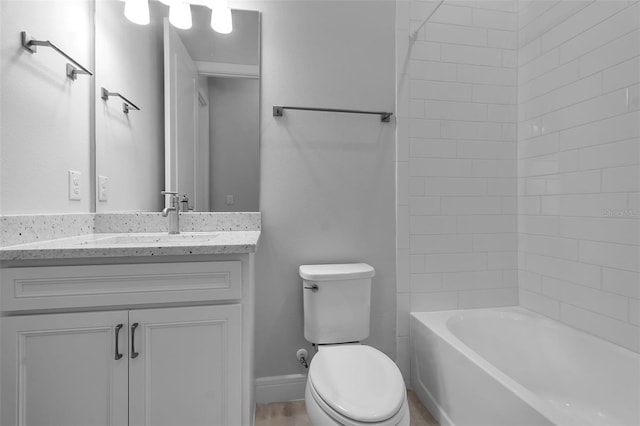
(134, 354)
(118, 354)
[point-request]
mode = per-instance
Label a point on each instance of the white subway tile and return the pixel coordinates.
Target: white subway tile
(452, 262)
(634, 312)
(620, 179)
(427, 302)
(456, 34)
(494, 94)
(425, 283)
(470, 130)
(530, 10)
(625, 283)
(619, 332)
(416, 186)
(503, 186)
(602, 34)
(444, 91)
(487, 75)
(509, 59)
(434, 148)
(622, 75)
(451, 13)
(550, 18)
(541, 145)
(502, 39)
(503, 5)
(444, 110)
(538, 303)
(417, 108)
(433, 225)
(530, 281)
(610, 155)
(496, 242)
(529, 52)
(568, 270)
(626, 257)
(604, 229)
(486, 223)
(529, 205)
(471, 205)
(439, 167)
(560, 162)
(502, 114)
(420, 128)
(447, 243)
(562, 97)
(554, 79)
(538, 225)
(579, 22)
(493, 168)
(563, 248)
(455, 186)
(621, 127)
(461, 54)
(595, 300)
(416, 263)
(617, 51)
(510, 205)
(433, 70)
(488, 298)
(423, 205)
(471, 280)
(504, 260)
(425, 50)
(574, 183)
(583, 205)
(605, 106)
(495, 19)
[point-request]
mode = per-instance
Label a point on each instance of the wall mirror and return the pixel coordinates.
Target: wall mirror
(197, 128)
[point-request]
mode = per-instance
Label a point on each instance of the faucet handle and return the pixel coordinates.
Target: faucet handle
(169, 193)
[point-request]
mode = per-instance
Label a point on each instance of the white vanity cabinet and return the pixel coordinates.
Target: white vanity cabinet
(151, 343)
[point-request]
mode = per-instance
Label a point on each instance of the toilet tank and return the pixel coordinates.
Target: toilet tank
(337, 302)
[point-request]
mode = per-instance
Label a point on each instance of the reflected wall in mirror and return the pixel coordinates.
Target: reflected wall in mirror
(197, 131)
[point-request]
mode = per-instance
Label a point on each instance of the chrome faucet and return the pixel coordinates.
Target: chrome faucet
(173, 212)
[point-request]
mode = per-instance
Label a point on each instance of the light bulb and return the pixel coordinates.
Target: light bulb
(221, 21)
(137, 11)
(180, 15)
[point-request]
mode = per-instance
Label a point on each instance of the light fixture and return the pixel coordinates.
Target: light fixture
(221, 20)
(137, 11)
(180, 14)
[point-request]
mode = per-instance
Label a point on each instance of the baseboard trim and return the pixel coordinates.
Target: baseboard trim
(288, 387)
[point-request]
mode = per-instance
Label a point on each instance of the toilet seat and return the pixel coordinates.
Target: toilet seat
(356, 383)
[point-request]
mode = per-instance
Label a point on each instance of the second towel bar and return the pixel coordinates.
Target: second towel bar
(385, 117)
(125, 105)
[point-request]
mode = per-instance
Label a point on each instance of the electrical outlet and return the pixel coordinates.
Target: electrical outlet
(103, 182)
(74, 185)
(229, 200)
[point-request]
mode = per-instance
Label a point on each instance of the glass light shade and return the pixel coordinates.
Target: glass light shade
(167, 2)
(180, 15)
(137, 11)
(221, 21)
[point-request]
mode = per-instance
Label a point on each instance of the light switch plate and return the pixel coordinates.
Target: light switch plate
(74, 185)
(103, 186)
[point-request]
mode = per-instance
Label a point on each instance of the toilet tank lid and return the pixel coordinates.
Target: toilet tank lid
(336, 271)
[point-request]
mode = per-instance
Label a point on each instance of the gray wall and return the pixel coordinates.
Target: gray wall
(327, 180)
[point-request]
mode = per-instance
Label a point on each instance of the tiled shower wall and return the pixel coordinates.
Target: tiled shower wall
(456, 141)
(578, 164)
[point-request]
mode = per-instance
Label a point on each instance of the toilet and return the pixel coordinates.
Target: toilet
(348, 383)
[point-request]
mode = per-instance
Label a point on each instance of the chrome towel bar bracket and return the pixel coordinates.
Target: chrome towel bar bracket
(31, 44)
(125, 105)
(278, 111)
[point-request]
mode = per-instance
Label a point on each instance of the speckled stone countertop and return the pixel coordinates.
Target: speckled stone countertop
(125, 235)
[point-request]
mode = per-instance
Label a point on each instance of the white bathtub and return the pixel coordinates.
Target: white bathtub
(510, 366)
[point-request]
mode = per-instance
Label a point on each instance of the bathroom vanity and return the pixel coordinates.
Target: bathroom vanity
(129, 329)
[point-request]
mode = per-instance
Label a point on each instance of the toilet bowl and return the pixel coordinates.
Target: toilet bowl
(355, 385)
(348, 383)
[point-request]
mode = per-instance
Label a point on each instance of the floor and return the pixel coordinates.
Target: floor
(293, 413)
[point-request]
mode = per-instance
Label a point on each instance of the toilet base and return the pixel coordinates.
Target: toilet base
(317, 412)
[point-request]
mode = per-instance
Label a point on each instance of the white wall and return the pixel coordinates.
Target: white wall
(130, 147)
(456, 196)
(578, 169)
(327, 180)
(234, 108)
(46, 120)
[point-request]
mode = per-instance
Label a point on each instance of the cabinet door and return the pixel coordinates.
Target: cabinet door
(187, 370)
(62, 370)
